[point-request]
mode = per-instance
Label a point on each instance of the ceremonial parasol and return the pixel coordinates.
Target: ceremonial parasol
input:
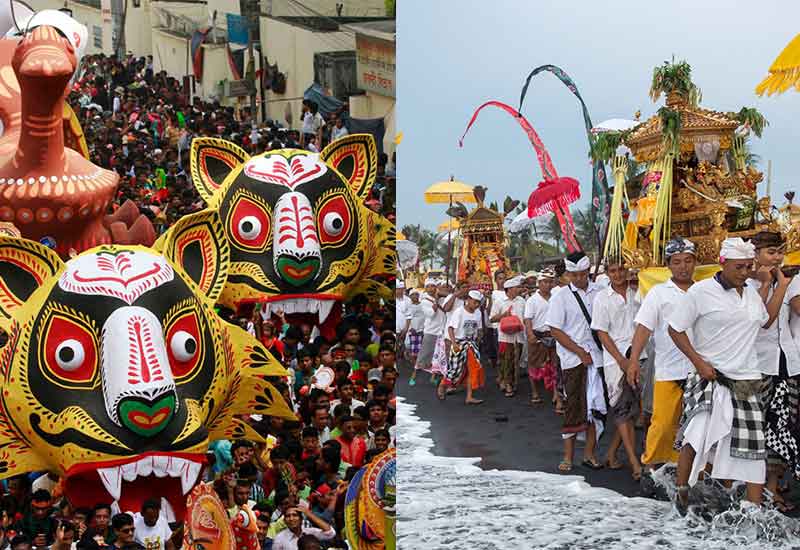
(784, 71)
(450, 225)
(447, 192)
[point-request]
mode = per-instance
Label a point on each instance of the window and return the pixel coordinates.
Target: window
(97, 32)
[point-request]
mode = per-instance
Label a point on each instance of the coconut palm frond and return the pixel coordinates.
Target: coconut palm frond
(674, 77)
(605, 145)
(751, 117)
(670, 129)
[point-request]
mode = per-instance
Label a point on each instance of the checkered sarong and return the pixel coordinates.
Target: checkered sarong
(457, 365)
(414, 342)
(747, 433)
(781, 430)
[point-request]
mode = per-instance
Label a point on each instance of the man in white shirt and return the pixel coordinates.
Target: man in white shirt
(151, 529)
(432, 329)
(569, 319)
(671, 365)
(723, 415)
(339, 130)
(542, 356)
(490, 345)
(779, 362)
(414, 337)
(612, 317)
(464, 365)
(287, 539)
(508, 306)
(402, 317)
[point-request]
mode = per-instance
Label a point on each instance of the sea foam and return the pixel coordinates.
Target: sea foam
(447, 503)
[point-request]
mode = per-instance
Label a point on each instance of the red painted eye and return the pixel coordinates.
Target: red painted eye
(249, 224)
(184, 345)
(334, 220)
(70, 351)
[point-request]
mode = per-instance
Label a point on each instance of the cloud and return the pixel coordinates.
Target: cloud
(454, 55)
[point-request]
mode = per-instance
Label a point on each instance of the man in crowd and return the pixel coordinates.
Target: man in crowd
(671, 365)
(124, 533)
(779, 363)
(612, 318)
(151, 529)
(432, 329)
(508, 311)
(464, 364)
(722, 407)
(542, 356)
(579, 354)
(288, 538)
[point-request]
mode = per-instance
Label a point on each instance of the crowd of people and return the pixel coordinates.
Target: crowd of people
(709, 369)
(140, 124)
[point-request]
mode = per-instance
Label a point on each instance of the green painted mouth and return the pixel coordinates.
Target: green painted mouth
(295, 272)
(145, 419)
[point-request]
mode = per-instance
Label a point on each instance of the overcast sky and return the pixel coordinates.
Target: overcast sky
(455, 54)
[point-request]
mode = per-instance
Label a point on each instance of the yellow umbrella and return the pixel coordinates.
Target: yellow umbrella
(449, 225)
(784, 72)
(449, 192)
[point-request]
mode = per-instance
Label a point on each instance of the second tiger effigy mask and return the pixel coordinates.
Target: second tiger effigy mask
(118, 372)
(301, 238)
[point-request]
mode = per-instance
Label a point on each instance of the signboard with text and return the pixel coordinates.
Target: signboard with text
(375, 61)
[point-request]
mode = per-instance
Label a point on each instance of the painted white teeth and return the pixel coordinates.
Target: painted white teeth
(145, 466)
(325, 308)
(299, 305)
(129, 471)
(189, 476)
(158, 465)
(112, 480)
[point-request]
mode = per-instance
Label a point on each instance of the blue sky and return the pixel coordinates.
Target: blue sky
(454, 55)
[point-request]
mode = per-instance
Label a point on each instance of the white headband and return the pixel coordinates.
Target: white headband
(581, 265)
(429, 282)
(736, 248)
(512, 282)
(475, 295)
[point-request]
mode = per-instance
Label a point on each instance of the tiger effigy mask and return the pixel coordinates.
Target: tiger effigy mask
(301, 238)
(118, 372)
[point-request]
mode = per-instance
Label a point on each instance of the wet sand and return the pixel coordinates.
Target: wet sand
(508, 433)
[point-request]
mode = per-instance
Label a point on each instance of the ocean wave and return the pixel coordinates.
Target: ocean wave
(447, 503)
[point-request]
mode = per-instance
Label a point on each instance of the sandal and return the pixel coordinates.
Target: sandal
(474, 402)
(560, 410)
(565, 466)
(509, 393)
(592, 463)
(614, 466)
(536, 400)
(637, 474)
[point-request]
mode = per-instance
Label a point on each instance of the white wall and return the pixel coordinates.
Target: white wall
(293, 49)
(137, 25)
(138, 33)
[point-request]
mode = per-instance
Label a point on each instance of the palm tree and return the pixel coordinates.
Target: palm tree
(550, 231)
(584, 227)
